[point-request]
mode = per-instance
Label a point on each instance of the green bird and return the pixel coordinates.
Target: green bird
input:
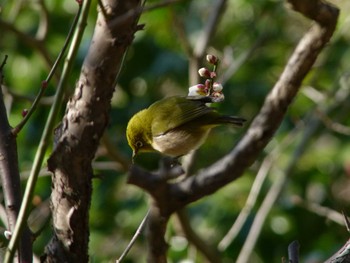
(174, 126)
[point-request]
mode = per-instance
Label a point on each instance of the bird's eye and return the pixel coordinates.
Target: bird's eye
(138, 144)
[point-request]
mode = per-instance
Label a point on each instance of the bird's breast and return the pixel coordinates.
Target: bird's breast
(179, 142)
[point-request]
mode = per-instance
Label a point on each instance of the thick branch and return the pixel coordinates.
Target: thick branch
(81, 129)
(262, 128)
(171, 197)
(156, 227)
(320, 11)
(267, 121)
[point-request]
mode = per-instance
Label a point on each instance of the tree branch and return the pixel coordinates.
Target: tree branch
(10, 178)
(263, 126)
(44, 84)
(133, 240)
(172, 197)
(81, 129)
(343, 254)
(209, 252)
(249, 205)
(282, 179)
(44, 141)
(28, 40)
(156, 227)
(269, 118)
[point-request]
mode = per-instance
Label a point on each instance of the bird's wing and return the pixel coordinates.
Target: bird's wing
(175, 111)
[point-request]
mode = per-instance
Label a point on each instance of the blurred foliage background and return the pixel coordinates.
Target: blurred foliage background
(310, 152)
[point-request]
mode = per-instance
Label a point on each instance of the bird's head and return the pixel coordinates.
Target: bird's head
(139, 135)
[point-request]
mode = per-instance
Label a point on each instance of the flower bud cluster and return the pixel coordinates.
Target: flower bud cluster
(210, 88)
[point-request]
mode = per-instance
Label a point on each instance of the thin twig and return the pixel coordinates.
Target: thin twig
(141, 9)
(44, 84)
(332, 125)
(276, 189)
(319, 210)
(210, 253)
(39, 218)
(29, 40)
(346, 221)
(3, 64)
(179, 28)
(47, 101)
(237, 63)
(203, 40)
(256, 188)
(15, 10)
(259, 220)
(161, 5)
(44, 21)
(274, 192)
(251, 200)
(208, 32)
(133, 240)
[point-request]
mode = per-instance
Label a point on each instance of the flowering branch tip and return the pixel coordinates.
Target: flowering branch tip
(209, 88)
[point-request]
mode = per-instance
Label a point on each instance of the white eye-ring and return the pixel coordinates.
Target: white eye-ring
(138, 144)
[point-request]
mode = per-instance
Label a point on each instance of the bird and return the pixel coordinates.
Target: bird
(175, 126)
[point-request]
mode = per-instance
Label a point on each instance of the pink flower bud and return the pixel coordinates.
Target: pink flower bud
(24, 112)
(204, 72)
(197, 90)
(212, 59)
(212, 75)
(7, 234)
(219, 96)
(207, 84)
(217, 86)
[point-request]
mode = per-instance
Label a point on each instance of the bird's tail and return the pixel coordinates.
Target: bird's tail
(237, 121)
